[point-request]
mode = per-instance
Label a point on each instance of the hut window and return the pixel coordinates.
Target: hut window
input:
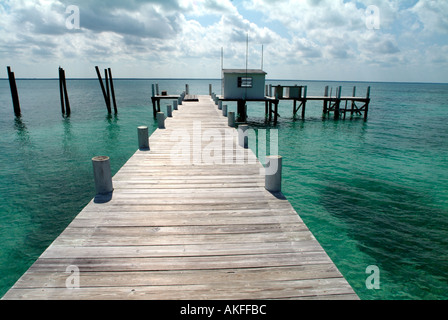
(244, 82)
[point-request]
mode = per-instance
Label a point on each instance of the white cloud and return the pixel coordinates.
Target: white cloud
(180, 38)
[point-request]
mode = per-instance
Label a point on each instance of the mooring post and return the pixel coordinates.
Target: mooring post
(273, 173)
(219, 105)
(153, 90)
(224, 110)
(209, 89)
(231, 119)
(161, 120)
(143, 136)
(157, 89)
(169, 111)
(179, 100)
(243, 139)
(14, 94)
(102, 175)
(187, 89)
(175, 105)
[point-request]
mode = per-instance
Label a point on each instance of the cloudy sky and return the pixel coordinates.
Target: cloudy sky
(366, 40)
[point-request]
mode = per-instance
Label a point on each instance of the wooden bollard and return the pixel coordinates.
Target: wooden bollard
(175, 105)
(209, 89)
(224, 110)
(143, 142)
(102, 175)
(161, 120)
(169, 111)
(179, 101)
(219, 105)
(231, 119)
(273, 173)
(242, 136)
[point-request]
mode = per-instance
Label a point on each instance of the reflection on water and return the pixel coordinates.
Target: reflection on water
(23, 135)
(112, 129)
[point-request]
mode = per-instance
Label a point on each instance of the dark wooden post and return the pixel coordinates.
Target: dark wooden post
(266, 109)
(61, 91)
(105, 95)
(366, 110)
(304, 101)
(67, 102)
(337, 103)
(241, 107)
(14, 94)
(106, 78)
(275, 111)
(325, 110)
(353, 102)
(112, 91)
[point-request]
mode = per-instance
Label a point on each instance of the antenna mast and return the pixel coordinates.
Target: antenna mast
(261, 57)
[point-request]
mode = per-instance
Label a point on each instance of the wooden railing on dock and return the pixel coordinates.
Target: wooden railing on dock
(179, 227)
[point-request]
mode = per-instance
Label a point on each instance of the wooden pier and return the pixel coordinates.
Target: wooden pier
(186, 230)
(331, 104)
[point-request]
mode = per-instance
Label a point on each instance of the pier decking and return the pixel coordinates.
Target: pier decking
(186, 230)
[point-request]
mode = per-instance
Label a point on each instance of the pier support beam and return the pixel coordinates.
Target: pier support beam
(273, 173)
(143, 138)
(241, 111)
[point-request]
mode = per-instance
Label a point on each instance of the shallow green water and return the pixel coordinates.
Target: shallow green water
(373, 193)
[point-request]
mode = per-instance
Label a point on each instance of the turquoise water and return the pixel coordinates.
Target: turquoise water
(373, 193)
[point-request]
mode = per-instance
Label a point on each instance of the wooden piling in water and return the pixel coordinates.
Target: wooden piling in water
(61, 92)
(103, 89)
(112, 90)
(14, 93)
(366, 110)
(65, 102)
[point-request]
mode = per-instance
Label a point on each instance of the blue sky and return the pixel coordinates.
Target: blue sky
(302, 39)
